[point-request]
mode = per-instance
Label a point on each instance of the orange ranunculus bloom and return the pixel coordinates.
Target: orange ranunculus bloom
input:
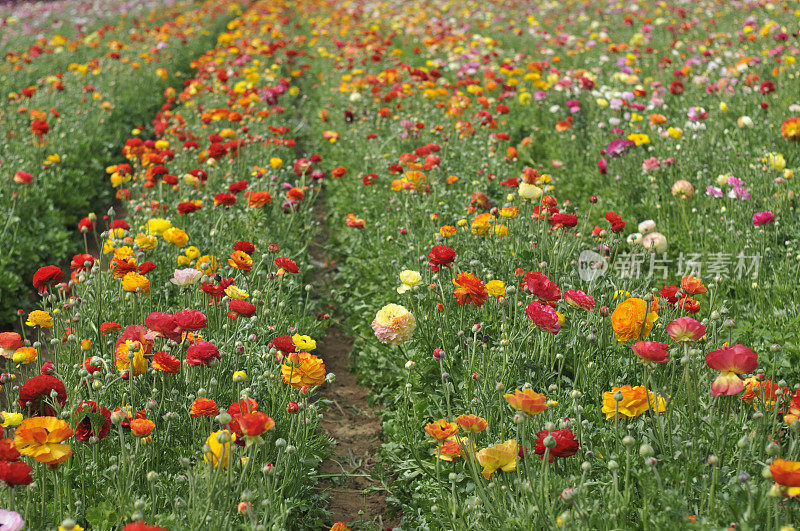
(441, 429)
(134, 282)
(635, 401)
(42, 438)
(339, 526)
(631, 320)
(241, 261)
(692, 285)
(258, 199)
(471, 423)
(499, 457)
(470, 289)
(204, 407)
(762, 393)
(142, 427)
(528, 401)
(794, 409)
(453, 448)
(303, 370)
(787, 476)
(790, 129)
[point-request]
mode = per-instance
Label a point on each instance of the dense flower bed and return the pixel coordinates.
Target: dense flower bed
(565, 240)
(68, 106)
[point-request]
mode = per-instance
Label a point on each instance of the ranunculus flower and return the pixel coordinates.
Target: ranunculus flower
(470, 289)
(191, 319)
(566, 444)
(202, 353)
(528, 401)
(762, 218)
(579, 299)
(499, 457)
(165, 324)
(543, 317)
(541, 287)
(787, 476)
(394, 324)
(686, 329)
(651, 351)
(731, 361)
(42, 438)
(440, 256)
(632, 320)
(635, 401)
(302, 369)
(186, 277)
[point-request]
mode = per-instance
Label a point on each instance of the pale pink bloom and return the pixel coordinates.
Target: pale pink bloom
(686, 329)
(186, 277)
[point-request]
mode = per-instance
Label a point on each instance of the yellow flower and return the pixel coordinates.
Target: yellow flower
(304, 343)
(145, 242)
(447, 231)
(10, 420)
(192, 252)
(134, 282)
(41, 438)
(481, 224)
(635, 401)
(39, 318)
(158, 225)
(219, 448)
(774, 161)
(183, 260)
(496, 288)
(675, 133)
(639, 138)
(76, 527)
(275, 162)
(235, 293)
(176, 236)
(499, 457)
(410, 280)
(239, 376)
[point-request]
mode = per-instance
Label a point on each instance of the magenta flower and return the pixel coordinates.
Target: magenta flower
(762, 218)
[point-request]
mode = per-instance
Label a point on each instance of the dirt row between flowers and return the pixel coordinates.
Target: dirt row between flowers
(356, 497)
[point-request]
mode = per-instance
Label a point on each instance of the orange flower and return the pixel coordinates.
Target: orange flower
(41, 438)
(241, 261)
(204, 407)
(258, 199)
(304, 370)
(787, 476)
(692, 285)
(469, 289)
(790, 129)
(631, 320)
(142, 427)
(441, 429)
(794, 409)
(339, 526)
(471, 423)
(528, 401)
(762, 393)
(453, 448)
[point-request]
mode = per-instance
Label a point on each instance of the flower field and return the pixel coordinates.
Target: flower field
(550, 248)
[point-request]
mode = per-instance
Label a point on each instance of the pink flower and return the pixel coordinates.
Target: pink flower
(731, 361)
(762, 218)
(543, 317)
(686, 329)
(186, 277)
(651, 164)
(713, 191)
(651, 351)
(579, 299)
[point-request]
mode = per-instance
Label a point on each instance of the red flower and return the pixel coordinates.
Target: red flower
(141, 526)
(440, 256)
(204, 407)
(34, 396)
(216, 290)
(237, 187)
(191, 319)
(188, 208)
(285, 344)
(245, 247)
(201, 353)
(15, 473)
(165, 324)
(165, 363)
(579, 299)
(543, 317)
(93, 421)
(290, 266)
(85, 225)
(255, 423)
(670, 293)
(242, 307)
(109, 326)
(39, 128)
(47, 275)
(676, 87)
(616, 221)
(79, 260)
(566, 445)
(225, 199)
(563, 221)
(541, 287)
(8, 450)
(651, 351)
(146, 267)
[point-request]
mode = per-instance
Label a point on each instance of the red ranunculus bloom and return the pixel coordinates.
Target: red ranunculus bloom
(242, 307)
(287, 265)
(201, 353)
(245, 247)
(15, 473)
(541, 287)
(285, 344)
(34, 396)
(566, 444)
(93, 421)
(440, 256)
(47, 276)
(617, 224)
(543, 317)
(191, 319)
(165, 324)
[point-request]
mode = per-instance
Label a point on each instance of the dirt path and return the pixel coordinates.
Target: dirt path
(355, 497)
